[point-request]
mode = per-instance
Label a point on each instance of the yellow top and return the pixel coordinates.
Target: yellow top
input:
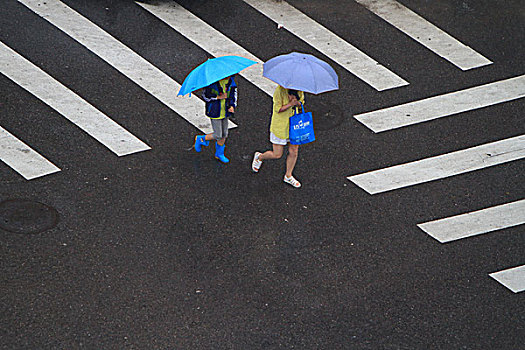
(223, 83)
(280, 124)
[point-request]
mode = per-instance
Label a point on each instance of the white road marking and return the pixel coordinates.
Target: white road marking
(477, 222)
(444, 105)
(513, 279)
(333, 46)
(68, 104)
(22, 158)
(121, 57)
(426, 33)
(209, 39)
(441, 166)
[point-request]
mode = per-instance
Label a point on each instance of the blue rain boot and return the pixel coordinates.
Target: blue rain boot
(199, 142)
(219, 153)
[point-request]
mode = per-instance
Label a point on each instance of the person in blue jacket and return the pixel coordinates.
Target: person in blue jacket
(221, 101)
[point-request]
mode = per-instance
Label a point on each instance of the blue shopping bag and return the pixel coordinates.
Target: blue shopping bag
(301, 128)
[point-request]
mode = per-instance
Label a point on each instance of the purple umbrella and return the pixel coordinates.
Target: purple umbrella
(299, 71)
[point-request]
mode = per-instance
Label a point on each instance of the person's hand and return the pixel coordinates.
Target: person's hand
(231, 109)
(222, 96)
(294, 101)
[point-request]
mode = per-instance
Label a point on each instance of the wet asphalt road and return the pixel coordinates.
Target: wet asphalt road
(167, 249)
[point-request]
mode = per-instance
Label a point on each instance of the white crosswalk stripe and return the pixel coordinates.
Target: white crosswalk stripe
(211, 40)
(477, 222)
(22, 158)
(121, 57)
(513, 278)
(442, 166)
(444, 105)
(426, 33)
(68, 104)
(333, 46)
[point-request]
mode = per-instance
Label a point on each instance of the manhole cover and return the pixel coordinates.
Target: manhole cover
(24, 216)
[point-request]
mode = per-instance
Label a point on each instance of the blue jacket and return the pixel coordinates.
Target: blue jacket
(213, 104)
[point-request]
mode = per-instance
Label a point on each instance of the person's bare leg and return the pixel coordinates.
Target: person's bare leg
(293, 153)
(276, 153)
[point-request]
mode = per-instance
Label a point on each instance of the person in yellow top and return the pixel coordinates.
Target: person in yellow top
(285, 101)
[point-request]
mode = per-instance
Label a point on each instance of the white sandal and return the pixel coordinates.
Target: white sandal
(256, 164)
(292, 181)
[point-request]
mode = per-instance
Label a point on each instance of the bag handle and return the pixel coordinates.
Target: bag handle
(302, 108)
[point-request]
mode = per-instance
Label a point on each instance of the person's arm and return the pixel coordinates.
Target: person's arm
(292, 103)
(233, 97)
(208, 95)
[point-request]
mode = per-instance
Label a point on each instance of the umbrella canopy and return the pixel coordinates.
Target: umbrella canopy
(213, 70)
(299, 71)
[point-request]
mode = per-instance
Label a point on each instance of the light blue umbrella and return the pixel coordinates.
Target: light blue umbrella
(299, 71)
(213, 70)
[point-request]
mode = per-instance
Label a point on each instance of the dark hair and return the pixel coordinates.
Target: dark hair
(293, 93)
